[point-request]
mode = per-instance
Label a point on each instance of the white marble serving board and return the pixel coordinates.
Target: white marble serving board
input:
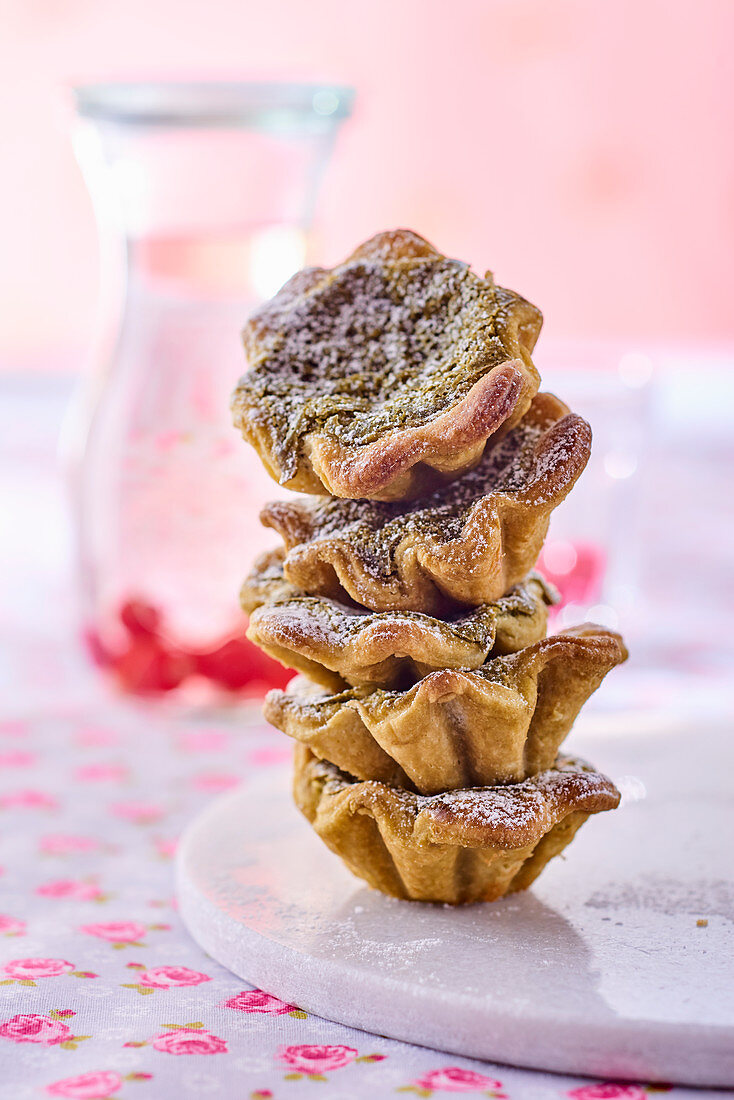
(602, 968)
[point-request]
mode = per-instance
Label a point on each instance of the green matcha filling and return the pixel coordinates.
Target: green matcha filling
(373, 350)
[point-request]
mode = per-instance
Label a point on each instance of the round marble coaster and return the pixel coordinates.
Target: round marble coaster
(618, 962)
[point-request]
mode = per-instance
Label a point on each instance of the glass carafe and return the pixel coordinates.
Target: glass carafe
(203, 195)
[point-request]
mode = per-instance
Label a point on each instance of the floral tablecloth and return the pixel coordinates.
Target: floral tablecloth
(103, 993)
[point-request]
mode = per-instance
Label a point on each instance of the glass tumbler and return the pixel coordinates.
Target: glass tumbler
(203, 195)
(592, 553)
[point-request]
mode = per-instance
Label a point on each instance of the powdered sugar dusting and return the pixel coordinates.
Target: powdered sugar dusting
(571, 785)
(374, 345)
(519, 465)
(506, 813)
(292, 617)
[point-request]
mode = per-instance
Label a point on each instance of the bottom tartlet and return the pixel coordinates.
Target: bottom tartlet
(458, 847)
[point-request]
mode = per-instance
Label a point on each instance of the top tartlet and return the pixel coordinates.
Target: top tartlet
(387, 375)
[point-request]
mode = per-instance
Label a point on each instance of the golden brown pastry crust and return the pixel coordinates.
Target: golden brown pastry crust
(457, 847)
(339, 645)
(500, 723)
(386, 375)
(466, 544)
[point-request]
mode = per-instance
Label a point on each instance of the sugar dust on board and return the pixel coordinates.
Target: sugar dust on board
(147, 662)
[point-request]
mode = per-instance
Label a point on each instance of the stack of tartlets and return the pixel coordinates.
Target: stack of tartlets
(399, 389)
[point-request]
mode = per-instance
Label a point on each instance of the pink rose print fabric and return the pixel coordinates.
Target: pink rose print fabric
(27, 969)
(71, 888)
(103, 1085)
(13, 728)
(28, 800)
(101, 773)
(189, 1040)
(122, 933)
(166, 847)
(204, 741)
(64, 844)
(141, 813)
(97, 738)
(32, 1028)
(216, 781)
(87, 1086)
(455, 1079)
(314, 1060)
(11, 926)
(256, 1000)
(16, 759)
(103, 994)
(47, 1031)
(116, 931)
(164, 977)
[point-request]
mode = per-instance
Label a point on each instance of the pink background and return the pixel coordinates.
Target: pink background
(582, 150)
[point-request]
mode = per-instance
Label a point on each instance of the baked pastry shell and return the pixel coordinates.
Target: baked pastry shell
(403, 461)
(465, 554)
(338, 645)
(456, 728)
(458, 848)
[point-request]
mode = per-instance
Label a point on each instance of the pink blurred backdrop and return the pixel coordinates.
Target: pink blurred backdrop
(582, 150)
